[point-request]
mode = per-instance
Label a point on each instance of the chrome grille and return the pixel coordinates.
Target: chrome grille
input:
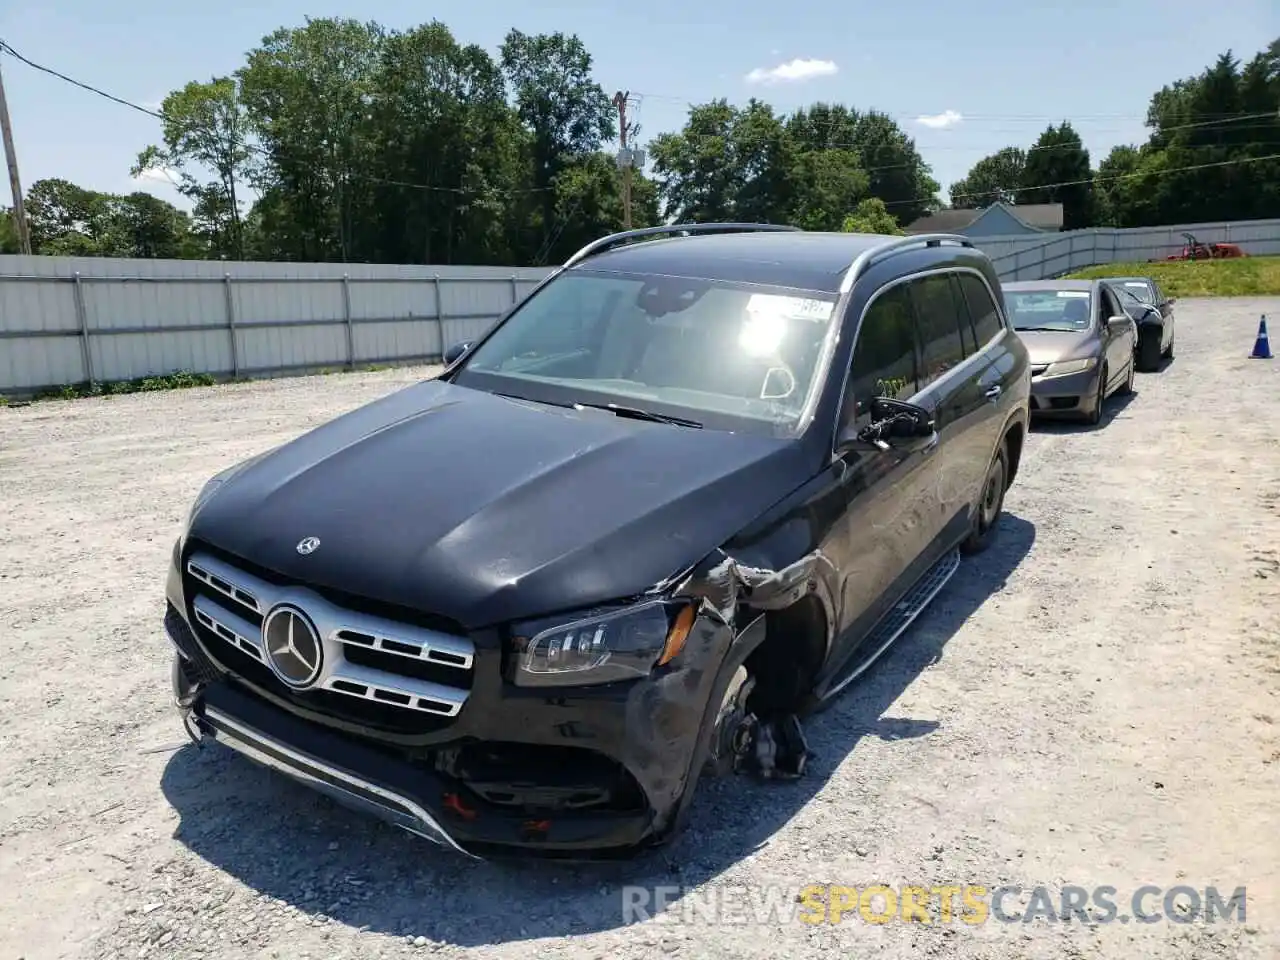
(236, 602)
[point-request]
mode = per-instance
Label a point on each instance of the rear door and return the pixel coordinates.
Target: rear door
(959, 387)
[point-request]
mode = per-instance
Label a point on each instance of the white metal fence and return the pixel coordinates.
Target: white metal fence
(1051, 255)
(70, 320)
(80, 320)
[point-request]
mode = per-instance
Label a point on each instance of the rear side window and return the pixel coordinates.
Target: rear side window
(982, 309)
(884, 358)
(938, 318)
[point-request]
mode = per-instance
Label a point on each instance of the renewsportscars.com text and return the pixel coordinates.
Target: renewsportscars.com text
(971, 904)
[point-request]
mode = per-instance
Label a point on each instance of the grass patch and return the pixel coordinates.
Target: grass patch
(1243, 277)
(181, 380)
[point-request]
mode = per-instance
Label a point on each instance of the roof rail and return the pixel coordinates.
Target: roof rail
(897, 245)
(614, 239)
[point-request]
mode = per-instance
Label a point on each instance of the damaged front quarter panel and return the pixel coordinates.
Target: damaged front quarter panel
(736, 596)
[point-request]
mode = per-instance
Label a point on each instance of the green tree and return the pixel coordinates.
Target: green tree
(440, 119)
(205, 133)
(871, 216)
(68, 220)
(696, 169)
(1057, 170)
(992, 179)
(896, 172)
(568, 116)
(308, 93)
(8, 232)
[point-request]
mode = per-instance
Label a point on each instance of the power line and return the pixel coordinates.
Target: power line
(1109, 179)
(968, 117)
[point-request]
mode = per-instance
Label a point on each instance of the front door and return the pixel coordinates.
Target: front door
(885, 489)
(1117, 341)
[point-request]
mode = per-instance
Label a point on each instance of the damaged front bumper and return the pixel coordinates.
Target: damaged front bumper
(661, 732)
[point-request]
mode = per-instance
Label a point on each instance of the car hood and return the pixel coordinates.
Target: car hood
(484, 509)
(1050, 346)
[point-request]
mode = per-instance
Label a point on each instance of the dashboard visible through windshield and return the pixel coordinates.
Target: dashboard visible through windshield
(702, 350)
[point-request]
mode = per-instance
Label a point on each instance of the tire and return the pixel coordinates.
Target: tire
(1149, 351)
(990, 504)
(1094, 416)
(1127, 387)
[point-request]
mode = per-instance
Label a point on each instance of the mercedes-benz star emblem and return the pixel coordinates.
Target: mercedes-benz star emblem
(292, 646)
(308, 545)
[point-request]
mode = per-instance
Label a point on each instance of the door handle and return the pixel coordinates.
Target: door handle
(993, 393)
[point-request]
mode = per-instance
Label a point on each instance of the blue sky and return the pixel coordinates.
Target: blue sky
(983, 75)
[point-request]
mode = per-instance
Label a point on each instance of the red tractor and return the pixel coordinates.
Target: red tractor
(1195, 250)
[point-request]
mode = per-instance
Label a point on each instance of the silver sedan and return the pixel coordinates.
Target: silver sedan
(1081, 343)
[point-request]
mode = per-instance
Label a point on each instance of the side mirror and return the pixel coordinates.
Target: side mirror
(901, 419)
(1121, 320)
(455, 352)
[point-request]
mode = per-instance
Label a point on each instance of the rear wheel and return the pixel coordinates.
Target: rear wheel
(990, 504)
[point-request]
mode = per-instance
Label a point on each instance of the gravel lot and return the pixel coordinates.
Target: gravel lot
(1094, 701)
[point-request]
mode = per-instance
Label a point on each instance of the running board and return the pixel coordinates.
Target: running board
(894, 623)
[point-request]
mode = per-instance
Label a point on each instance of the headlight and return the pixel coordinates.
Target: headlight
(1065, 368)
(619, 645)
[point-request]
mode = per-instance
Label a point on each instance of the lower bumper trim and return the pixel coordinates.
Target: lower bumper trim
(340, 785)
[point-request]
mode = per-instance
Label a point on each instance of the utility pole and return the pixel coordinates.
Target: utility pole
(19, 211)
(624, 157)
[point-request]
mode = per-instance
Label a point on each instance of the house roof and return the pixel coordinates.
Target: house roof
(1037, 216)
(944, 221)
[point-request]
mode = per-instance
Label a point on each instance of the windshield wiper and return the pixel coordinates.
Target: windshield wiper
(635, 413)
(1042, 330)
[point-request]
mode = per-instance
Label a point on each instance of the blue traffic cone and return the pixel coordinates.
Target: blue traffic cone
(1261, 346)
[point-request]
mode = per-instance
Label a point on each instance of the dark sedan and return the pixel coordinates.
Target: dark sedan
(1152, 311)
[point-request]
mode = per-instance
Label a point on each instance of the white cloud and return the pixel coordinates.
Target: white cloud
(793, 71)
(940, 121)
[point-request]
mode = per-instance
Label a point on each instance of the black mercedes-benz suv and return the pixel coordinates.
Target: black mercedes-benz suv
(682, 494)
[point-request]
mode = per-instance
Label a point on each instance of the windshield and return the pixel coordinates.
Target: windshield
(1048, 309)
(1132, 303)
(724, 354)
(1140, 289)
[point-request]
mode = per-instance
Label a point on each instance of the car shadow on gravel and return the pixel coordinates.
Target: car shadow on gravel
(1116, 404)
(307, 853)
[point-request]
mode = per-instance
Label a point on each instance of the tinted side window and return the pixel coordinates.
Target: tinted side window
(938, 318)
(982, 309)
(884, 358)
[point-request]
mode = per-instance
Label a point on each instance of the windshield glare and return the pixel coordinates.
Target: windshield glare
(697, 348)
(1049, 309)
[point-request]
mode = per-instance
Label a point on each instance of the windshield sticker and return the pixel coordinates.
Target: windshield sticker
(1081, 294)
(798, 308)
